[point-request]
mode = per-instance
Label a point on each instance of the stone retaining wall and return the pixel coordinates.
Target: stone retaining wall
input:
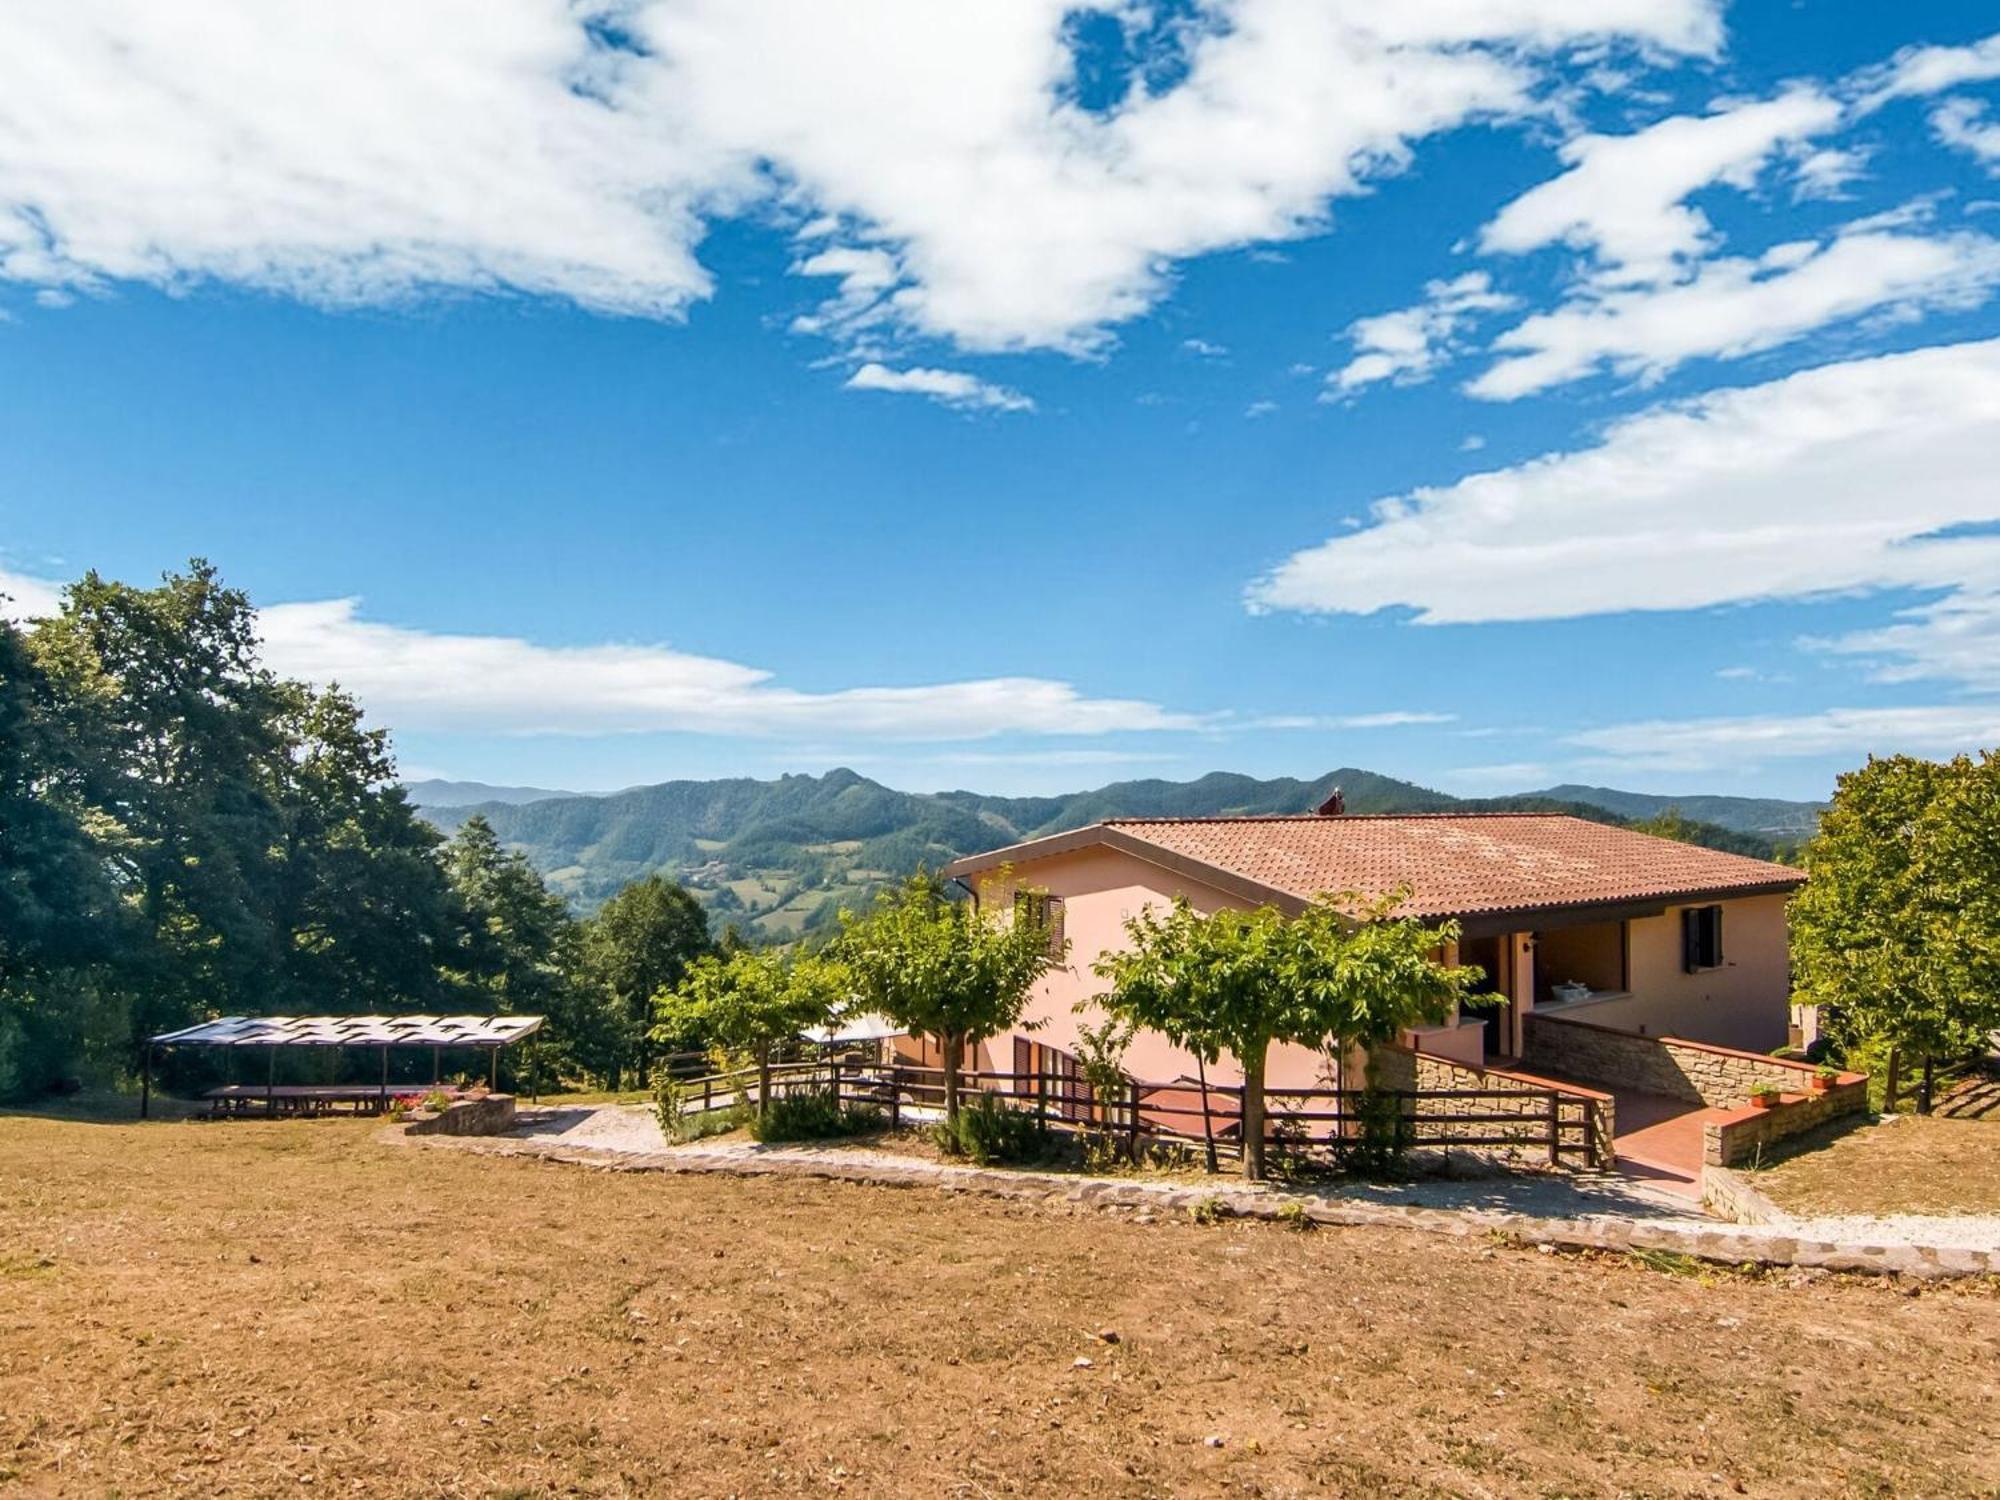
(1729, 1195)
(1742, 1135)
(1524, 1095)
(1696, 1072)
(491, 1115)
(1720, 1078)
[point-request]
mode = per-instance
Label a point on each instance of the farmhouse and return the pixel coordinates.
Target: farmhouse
(1571, 919)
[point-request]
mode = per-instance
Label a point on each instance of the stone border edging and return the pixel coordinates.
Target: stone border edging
(1727, 1245)
(1731, 1195)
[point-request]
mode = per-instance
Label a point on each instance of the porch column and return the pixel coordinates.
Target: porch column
(1521, 986)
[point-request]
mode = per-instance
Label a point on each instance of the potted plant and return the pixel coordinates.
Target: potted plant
(1765, 1095)
(1824, 1077)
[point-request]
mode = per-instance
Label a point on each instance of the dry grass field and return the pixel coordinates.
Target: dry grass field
(252, 1309)
(1905, 1164)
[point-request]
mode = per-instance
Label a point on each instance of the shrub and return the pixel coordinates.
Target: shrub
(669, 1095)
(1209, 1210)
(1384, 1137)
(714, 1122)
(436, 1101)
(988, 1131)
(813, 1115)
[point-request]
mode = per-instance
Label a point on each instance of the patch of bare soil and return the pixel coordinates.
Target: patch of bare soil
(249, 1309)
(1902, 1164)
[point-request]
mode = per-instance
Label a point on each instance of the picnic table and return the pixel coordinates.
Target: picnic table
(306, 1098)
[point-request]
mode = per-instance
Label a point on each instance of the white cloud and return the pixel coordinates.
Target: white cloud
(25, 598)
(952, 387)
(419, 680)
(423, 680)
(1260, 409)
(347, 153)
(1956, 638)
(1870, 475)
(1916, 71)
(1395, 718)
(374, 149)
(1406, 345)
(1705, 744)
(1963, 123)
(1733, 306)
(1826, 172)
(1205, 348)
(1623, 197)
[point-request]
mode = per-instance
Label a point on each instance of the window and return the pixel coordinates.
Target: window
(1044, 912)
(1701, 938)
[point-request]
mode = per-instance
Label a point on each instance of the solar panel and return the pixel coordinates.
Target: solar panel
(354, 1031)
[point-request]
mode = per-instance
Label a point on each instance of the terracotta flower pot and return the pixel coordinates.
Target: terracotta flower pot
(1821, 1085)
(1765, 1098)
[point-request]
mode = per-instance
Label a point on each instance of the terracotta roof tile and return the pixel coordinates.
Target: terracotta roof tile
(1459, 864)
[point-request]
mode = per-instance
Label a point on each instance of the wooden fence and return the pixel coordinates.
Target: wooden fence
(1314, 1122)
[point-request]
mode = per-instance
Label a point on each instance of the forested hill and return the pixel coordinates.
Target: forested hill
(1772, 816)
(782, 856)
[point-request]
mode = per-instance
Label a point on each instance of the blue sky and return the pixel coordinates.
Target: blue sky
(1023, 396)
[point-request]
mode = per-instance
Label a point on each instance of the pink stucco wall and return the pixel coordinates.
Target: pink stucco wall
(1742, 1004)
(1100, 889)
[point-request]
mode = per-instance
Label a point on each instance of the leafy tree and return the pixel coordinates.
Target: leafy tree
(1672, 823)
(639, 943)
(183, 832)
(513, 929)
(1896, 934)
(176, 725)
(753, 1000)
(361, 912)
(944, 968)
(60, 916)
(1343, 973)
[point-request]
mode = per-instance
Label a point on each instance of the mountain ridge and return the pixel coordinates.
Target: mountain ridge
(780, 857)
(438, 791)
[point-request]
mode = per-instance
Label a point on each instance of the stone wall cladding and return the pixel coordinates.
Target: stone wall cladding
(1729, 1195)
(1720, 1078)
(1743, 1134)
(1526, 1097)
(491, 1115)
(1695, 1072)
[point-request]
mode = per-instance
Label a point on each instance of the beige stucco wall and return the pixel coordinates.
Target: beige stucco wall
(1100, 889)
(1745, 1003)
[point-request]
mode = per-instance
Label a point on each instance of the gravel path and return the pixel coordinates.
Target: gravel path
(629, 1128)
(632, 1129)
(1593, 1212)
(1958, 1231)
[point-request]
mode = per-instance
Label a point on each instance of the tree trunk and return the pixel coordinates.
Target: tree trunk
(951, 1044)
(1892, 1084)
(763, 1079)
(1207, 1121)
(1924, 1088)
(1253, 1117)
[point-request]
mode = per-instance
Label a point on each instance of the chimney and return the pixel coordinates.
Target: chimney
(1334, 805)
